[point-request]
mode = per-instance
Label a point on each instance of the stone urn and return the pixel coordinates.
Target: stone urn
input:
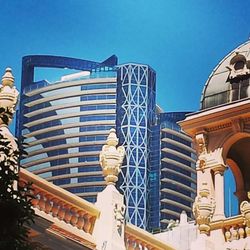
(111, 158)
(203, 209)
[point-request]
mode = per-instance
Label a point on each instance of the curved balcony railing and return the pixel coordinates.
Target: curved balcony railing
(74, 211)
(233, 228)
(60, 203)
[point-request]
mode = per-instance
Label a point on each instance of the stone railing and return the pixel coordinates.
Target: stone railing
(138, 239)
(233, 228)
(60, 203)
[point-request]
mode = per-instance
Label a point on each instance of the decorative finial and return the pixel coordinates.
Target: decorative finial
(111, 158)
(203, 209)
(8, 78)
(112, 138)
(8, 98)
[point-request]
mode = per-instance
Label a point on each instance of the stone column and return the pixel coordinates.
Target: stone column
(219, 192)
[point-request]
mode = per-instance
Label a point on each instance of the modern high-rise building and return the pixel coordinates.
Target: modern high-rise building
(178, 174)
(135, 120)
(63, 125)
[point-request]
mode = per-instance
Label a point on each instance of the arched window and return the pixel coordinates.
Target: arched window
(231, 201)
(239, 65)
(237, 177)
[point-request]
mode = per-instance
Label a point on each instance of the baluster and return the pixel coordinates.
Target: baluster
(241, 232)
(55, 207)
(143, 246)
(68, 215)
(247, 230)
(61, 212)
(126, 240)
(74, 217)
(137, 245)
(87, 223)
(48, 204)
(41, 203)
(92, 223)
(228, 235)
(235, 233)
(35, 201)
(130, 243)
(80, 222)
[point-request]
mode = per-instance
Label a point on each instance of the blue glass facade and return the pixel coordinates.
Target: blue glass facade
(63, 125)
(135, 120)
(178, 174)
(154, 180)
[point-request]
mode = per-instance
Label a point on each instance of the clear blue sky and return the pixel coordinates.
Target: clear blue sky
(182, 40)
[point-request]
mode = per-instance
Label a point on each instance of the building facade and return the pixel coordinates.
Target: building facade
(222, 137)
(178, 174)
(135, 119)
(62, 125)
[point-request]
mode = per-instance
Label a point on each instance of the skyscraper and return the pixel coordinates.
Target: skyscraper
(178, 175)
(135, 120)
(64, 123)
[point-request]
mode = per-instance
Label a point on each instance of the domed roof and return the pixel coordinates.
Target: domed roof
(229, 81)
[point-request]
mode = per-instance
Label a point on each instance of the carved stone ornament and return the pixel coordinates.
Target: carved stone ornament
(203, 209)
(201, 163)
(201, 142)
(119, 212)
(111, 158)
(238, 66)
(245, 211)
(237, 125)
(8, 97)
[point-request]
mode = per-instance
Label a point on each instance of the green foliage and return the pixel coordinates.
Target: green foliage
(15, 201)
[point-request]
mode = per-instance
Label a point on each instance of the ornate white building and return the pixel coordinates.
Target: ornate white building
(221, 133)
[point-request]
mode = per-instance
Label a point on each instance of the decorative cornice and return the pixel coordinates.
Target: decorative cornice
(218, 118)
(219, 127)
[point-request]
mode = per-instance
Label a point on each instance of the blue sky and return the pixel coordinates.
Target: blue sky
(182, 40)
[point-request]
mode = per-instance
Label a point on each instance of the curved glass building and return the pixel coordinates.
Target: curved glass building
(64, 123)
(178, 174)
